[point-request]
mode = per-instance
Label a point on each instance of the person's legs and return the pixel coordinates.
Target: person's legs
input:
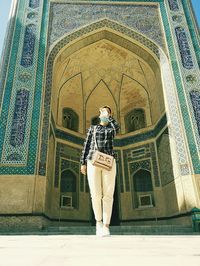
(94, 181)
(108, 186)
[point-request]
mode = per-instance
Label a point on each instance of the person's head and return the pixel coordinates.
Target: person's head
(107, 108)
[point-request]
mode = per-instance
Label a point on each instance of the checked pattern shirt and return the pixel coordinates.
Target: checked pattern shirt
(104, 139)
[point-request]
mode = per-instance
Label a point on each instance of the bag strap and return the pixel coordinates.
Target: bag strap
(95, 141)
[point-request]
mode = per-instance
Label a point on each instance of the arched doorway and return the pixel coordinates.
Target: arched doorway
(136, 85)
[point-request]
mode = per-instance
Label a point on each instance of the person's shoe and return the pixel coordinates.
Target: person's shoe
(105, 231)
(99, 228)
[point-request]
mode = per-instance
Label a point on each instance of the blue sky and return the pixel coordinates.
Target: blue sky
(5, 8)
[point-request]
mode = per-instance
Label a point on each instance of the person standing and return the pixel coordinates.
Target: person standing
(101, 181)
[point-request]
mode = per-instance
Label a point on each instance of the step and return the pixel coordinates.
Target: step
(115, 230)
(123, 229)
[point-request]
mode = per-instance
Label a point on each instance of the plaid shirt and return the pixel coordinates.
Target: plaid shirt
(104, 139)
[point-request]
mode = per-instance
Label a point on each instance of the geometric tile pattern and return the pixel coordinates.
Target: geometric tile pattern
(18, 124)
(195, 98)
(187, 78)
(34, 3)
(173, 4)
(192, 28)
(184, 48)
(19, 118)
(143, 18)
(29, 46)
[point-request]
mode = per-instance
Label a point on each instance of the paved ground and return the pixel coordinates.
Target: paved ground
(66, 250)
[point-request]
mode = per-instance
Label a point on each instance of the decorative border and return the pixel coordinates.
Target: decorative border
(181, 75)
(187, 7)
(28, 165)
(17, 132)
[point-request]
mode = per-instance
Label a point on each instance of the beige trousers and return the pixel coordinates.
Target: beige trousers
(102, 184)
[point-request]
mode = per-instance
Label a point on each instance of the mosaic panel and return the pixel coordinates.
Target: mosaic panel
(135, 166)
(195, 98)
(186, 56)
(184, 84)
(19, 118)
(173, 4)
(29, 46)
(68, 17)
(193, 32)
(22, 155)
(34, 3)
(18, 131)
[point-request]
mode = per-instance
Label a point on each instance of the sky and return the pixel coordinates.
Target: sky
(5, 9)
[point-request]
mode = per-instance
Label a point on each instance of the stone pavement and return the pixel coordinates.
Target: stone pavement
(82, 250)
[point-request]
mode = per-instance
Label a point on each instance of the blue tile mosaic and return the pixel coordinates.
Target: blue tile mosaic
(34, 3)
(68, 17)
(194, 34)
(29, 46)
(19, 118)
(173, 4)
(185, 114)
(184, 48)
(195, 98)
(31, 165)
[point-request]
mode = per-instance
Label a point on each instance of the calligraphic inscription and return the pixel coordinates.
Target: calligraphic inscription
(195, 98)
(19, 118)
(29, 46)
(34, 3)
(186, 56)
(173, 5)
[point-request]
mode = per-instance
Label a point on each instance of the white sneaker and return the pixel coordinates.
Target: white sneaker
(99, 227)
(105, 231)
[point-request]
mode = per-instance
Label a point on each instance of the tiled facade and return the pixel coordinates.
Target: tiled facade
(42, 30)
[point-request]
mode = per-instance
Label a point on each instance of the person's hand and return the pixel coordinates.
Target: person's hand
(83, 169)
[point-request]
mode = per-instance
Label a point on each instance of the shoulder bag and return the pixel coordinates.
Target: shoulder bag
(100, 159)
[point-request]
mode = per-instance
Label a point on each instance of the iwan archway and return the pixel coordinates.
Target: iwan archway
(107, 63)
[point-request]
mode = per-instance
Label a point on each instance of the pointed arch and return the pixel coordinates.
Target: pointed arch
(102, 95)
(110, 30)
